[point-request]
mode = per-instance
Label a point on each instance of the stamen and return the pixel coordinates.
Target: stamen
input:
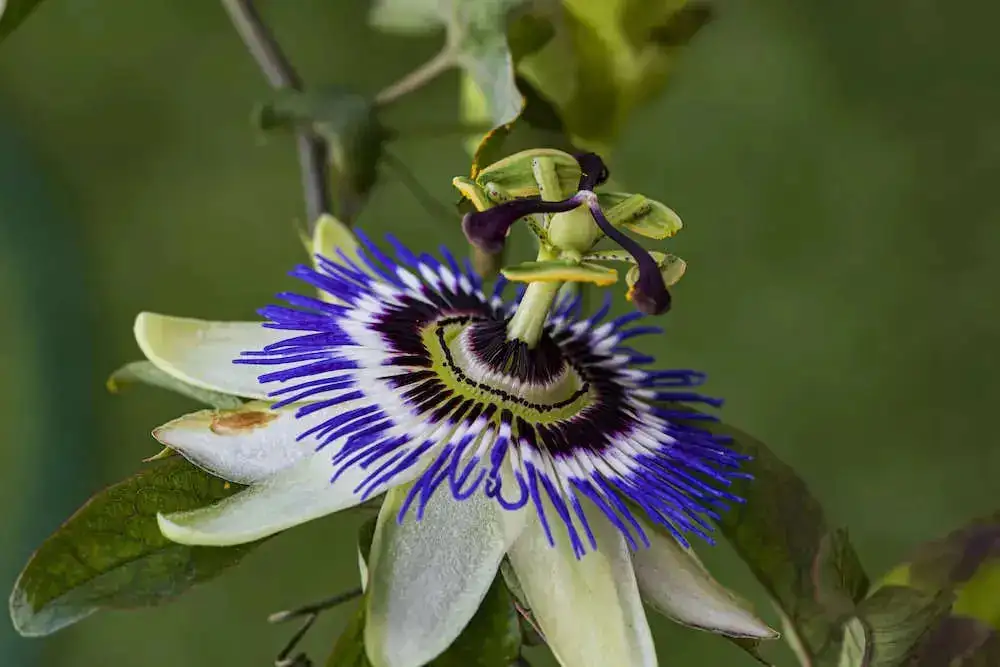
(650, 292)
(595, 172)
(487, 230)
(573, 417)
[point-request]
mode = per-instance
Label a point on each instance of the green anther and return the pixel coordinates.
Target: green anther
(629, 210)
(547, 179)
(560, 270)
(515, 174)
(639, 215)
(497, 193)
(473, 192)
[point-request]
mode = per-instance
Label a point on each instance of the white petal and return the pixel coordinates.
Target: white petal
(246, 445)
(428, 577)
(201, 353)
(675, 583)
(295, 495)
(588, 609)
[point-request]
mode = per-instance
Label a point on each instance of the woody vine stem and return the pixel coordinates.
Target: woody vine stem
(313, 150)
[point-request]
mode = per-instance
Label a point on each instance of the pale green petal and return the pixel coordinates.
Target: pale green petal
(201, 353)
(295, 495)
(588, 609)
(675, 583)
(428, 577)
(330, 238)
(246, 445)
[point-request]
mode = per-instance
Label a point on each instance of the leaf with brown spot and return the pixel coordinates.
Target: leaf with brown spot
(111, 554)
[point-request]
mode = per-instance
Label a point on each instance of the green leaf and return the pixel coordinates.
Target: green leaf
(751, 647)
(13, 13)
(349, 650)
(493, 636)
(537, 126)
(146, 372)
(782, 534)
(111, 554)
(348, 122)
(558, 270)
(889, 625)
(966, 565)
(491, 639)
(476, 40)
(608, 57)
(958, 641)
(965, 560)
(527, 33)
(855, 650)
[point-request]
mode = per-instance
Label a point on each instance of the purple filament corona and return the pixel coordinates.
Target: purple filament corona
(408, 377)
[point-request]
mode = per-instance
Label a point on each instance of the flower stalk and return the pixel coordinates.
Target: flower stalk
(533, 311)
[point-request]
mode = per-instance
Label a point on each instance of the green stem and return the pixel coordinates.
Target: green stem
(313, 150)
(528, 321)
(418, 78)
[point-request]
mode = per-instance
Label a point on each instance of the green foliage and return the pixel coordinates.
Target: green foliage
(606, 58)
(538, 125)
(145, 372)
(476, 41)
(491, 639)
(963, 570)
(781, 532)
(111, 555)
(886, 628)
(815, 578)
(13, 13)
(351, 128)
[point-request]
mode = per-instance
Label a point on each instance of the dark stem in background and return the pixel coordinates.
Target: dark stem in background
(419, 192)
(311, 612)
(280, 74)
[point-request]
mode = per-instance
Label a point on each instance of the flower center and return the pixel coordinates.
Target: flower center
(478, 361)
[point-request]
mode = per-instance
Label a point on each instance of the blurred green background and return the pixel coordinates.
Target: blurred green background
(834, 163)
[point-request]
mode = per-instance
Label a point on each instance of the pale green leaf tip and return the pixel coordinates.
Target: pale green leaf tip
(32, 622)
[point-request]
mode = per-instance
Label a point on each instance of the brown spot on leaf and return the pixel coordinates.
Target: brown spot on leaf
(240, 421)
